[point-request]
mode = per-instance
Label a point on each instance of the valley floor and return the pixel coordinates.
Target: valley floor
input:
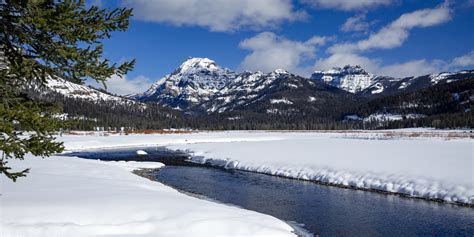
(64, 196)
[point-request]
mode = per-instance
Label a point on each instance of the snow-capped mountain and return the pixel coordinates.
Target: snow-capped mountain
(383, 86)
(192, 83)
(244, 89)
(356, 80)
(200, 85)
(349, 78)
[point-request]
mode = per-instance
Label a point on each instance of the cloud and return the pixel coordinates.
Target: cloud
(397, 32)
(216, 15)
(463, 61)
(355, 23)
(270, 51)
(348, 5)
(412, 68)
(123, 86)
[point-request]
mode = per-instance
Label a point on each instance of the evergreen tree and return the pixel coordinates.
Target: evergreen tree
(41, 39)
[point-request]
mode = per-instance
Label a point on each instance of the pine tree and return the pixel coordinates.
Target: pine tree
(41, 39)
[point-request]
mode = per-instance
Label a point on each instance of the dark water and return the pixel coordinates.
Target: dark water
(324, 210)
(158, 154)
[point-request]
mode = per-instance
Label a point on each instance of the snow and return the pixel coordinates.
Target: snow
(311, 99)
(390, 117)
(416, 162)
(281, 101)
(77, 197)
(64, 196)
(195, 80)
(141, 152)
(76, 91)
(436, 78)
(350, 78)
(378, 88)
(429, 167)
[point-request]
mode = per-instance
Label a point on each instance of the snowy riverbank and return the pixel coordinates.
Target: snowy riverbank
(76, 197)
(426, 163)
(64, 196)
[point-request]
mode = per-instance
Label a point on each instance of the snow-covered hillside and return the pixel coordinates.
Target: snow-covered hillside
(76, 91)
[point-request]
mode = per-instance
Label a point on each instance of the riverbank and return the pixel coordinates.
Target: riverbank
(435, 166)
(66, 196)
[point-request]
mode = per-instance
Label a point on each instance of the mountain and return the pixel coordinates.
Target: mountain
(279, 93)
(349, 78)
(201, 86)
(192, 83)
(201, 94)
(443, 105)
(356, 80)
(243, 90)
(56, 85)
(384, 86)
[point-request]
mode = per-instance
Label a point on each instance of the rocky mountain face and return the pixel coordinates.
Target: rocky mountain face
(384, 86)
(196, 81)
(199, 85)
(356, 80)
(353, 79)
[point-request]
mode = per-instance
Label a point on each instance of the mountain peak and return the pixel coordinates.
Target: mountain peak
(280, 71)
(349, 78)
(347, 69)
(193, 82)
(191, 63)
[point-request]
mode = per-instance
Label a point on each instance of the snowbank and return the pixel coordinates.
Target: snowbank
(76, 197)
(429, 168)
(421, 162)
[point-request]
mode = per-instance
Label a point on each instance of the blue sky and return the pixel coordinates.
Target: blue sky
(387, 37)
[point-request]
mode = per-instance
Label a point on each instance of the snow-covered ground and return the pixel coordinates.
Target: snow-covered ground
(75, 197)
(62, 196)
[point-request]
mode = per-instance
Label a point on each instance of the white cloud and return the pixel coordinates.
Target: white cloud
(412, 68)
(270, 51)
(348, 5)
(463, 61)
(123, 86)
(397, 32)
(355, 23)
(391, 36)
(216, 15)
